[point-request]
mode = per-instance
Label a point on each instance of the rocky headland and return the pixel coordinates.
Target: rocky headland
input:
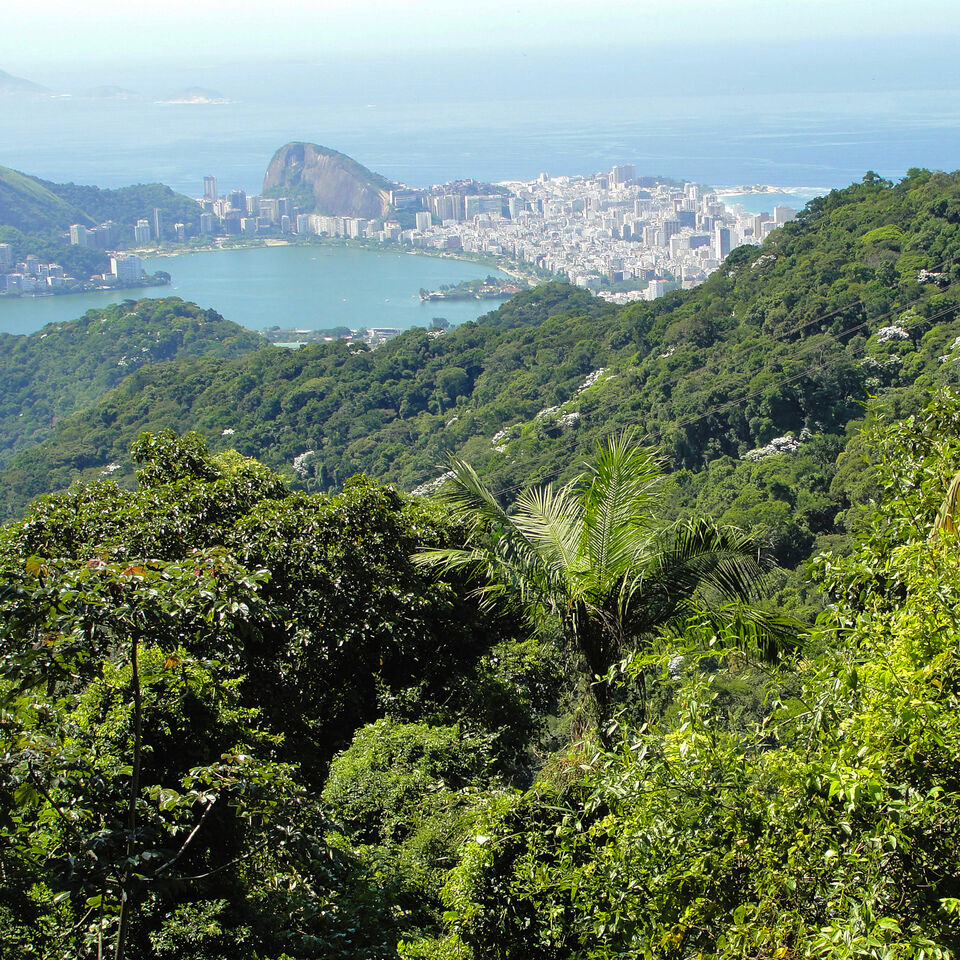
(328, 182)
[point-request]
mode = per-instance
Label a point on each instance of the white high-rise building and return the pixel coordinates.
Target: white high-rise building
(783, 214)
(126, 268)
(79, 235)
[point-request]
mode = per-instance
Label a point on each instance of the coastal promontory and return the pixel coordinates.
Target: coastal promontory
(326, 181)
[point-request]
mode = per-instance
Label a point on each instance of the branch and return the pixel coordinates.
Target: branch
(189, 840)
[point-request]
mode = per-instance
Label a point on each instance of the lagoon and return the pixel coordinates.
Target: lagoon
(312, 287)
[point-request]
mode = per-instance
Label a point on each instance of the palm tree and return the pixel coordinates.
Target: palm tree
(590, 559)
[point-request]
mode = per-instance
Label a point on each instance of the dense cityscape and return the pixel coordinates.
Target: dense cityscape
(622, 236)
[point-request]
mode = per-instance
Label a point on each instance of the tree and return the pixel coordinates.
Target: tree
(589, 559)
(829, 828)
(178, 664)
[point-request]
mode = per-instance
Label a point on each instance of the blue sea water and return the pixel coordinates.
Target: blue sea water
(718, 140)
(765, 201)
(815, 115)
(803, 118)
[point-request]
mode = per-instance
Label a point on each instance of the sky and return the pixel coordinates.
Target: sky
(47, 35)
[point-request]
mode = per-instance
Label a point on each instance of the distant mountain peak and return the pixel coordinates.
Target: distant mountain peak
(11, 86)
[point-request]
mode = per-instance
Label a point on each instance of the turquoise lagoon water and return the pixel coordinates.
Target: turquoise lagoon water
(311, 287)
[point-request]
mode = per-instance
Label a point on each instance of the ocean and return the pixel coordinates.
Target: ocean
(813, 117)
(753, 140)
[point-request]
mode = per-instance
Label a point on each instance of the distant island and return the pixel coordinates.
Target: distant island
(489, 288)
(11, 86)
(196, 95)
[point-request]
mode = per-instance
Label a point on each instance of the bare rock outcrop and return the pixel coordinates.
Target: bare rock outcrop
(337, 184)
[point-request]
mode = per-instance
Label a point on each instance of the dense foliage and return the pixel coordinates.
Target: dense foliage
(590, 562)
(829, 828)
(27, 203)
(178, 665)
(238, 719)
(787, 339)
(48, 209)
(65, 366)
(126, 205)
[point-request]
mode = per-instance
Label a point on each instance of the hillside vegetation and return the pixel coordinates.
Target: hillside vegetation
(65, 366)
(32, 205)
(241, 721)
(786, 341)
(29, 204)
(709, 714)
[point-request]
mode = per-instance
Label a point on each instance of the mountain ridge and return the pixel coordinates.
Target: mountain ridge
(751, 385)
(11, 86)
(32, 204)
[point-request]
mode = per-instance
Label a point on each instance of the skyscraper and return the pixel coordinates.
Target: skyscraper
(209, 188)
(721, 242)
(158, 224)
(782, 215)
(78, 234)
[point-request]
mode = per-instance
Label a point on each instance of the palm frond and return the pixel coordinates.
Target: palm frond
(469, 500)
(551, 520)
(698, 559)
(948, 516)
(500, 550)
(617, 507)
(754, 630)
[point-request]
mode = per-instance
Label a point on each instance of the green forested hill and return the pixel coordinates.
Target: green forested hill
(788, 339)
(29, 204)
(33, 205)
(65, 366)
(242, 720)
(126, 205)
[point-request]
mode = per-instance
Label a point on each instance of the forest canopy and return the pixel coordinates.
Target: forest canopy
(258, 701)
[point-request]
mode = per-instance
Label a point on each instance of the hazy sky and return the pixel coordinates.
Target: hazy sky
(60, 33)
